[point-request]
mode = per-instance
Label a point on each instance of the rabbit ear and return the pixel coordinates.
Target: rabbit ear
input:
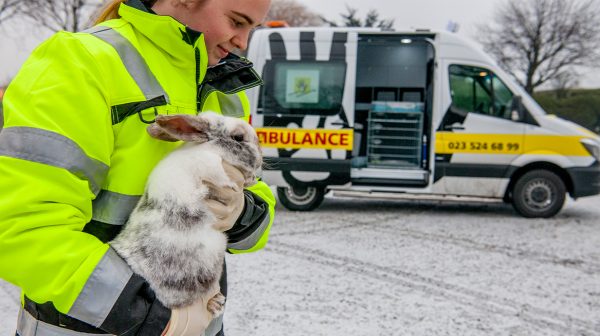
(158, 133)
(179, 127)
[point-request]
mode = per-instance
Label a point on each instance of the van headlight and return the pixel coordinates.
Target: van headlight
(592, 147)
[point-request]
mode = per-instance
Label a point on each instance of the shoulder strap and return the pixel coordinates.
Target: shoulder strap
(138, 69)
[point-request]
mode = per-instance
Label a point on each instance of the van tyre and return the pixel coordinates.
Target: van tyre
(539, 193)
(301, 199)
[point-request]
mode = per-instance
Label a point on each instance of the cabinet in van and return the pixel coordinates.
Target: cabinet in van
(413, 113)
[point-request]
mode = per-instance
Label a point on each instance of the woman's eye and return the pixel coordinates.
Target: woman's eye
(237, 23)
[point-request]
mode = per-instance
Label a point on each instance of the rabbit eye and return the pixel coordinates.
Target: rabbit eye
(237, 137)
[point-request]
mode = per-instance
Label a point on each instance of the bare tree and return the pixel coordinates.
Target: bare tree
(537, 40)
(351, 19)
(8, 8)
(563, 81)
(55, 15)
(294, 13)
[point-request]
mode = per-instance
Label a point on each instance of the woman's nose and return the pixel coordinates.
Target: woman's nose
(240, 40)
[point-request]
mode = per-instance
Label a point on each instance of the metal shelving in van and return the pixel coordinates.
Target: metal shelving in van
(395, 133)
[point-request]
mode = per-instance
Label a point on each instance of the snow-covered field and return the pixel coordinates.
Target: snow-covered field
(394, 267)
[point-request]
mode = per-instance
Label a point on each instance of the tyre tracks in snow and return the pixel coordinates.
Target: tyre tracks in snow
(386, 225)
(542, 318)
(585, 266)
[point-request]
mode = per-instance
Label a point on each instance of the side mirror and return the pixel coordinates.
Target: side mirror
(515, 116)
(516, 109)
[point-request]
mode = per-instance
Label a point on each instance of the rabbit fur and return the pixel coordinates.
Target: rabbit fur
(169, 239)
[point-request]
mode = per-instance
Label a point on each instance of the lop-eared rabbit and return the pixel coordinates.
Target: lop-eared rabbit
(169, 239)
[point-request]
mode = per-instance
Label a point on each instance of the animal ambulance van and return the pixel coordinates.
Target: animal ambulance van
(365, 111)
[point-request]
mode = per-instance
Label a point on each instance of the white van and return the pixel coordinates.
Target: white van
(417, 113)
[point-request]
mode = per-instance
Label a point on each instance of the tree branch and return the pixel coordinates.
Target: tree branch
(537, 40)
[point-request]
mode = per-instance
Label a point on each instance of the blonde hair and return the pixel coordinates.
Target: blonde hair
(109, 12)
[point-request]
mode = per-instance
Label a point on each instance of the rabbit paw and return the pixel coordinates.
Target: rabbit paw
(216, 305)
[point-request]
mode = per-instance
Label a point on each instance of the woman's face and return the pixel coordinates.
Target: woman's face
(226, 24)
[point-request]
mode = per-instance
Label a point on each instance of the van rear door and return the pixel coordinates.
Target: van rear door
(394, 94)
(304, 115)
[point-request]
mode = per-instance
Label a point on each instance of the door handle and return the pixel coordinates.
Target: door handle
(340, 123)
(454, 128)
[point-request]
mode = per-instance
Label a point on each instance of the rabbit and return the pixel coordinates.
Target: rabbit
(169, 238)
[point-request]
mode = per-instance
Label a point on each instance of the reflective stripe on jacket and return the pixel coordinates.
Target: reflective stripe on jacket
(73, 166)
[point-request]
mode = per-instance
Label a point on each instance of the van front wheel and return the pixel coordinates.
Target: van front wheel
(300, 199)
(539, 193)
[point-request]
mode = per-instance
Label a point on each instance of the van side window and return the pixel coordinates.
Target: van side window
(302, 87)
(479, 90)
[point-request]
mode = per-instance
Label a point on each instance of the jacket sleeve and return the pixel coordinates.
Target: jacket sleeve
(55, 151)
(251, 231)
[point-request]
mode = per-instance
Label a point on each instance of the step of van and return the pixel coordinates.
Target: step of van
(377, 194)
(389, 177)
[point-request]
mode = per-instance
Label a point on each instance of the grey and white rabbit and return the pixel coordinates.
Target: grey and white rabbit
(169, 239)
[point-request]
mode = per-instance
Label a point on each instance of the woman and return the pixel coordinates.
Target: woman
(75, 156)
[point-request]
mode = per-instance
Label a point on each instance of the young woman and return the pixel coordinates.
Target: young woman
(75, 156)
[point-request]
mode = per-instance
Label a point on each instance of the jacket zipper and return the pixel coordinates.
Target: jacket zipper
(198, 85)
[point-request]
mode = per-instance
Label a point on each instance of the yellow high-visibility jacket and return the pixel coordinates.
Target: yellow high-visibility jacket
(75, 156)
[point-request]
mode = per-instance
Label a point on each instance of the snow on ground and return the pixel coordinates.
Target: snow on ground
(396, 267)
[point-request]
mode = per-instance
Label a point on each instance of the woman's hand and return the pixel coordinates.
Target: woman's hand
(194, 319)
(226, 202)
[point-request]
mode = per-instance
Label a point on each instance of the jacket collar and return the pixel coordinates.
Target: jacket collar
(171, 36)
(231, 75)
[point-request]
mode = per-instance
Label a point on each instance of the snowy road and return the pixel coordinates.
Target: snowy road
(413, 268)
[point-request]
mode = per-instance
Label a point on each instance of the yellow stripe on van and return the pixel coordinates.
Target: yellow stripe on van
(555, 145)
(450, 143)
(306, 138)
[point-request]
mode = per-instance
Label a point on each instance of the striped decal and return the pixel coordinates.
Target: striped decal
(308, 48)
(452, 143)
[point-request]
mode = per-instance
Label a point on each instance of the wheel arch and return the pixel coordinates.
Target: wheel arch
(556, 169)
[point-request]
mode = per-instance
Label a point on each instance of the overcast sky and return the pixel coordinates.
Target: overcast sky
(434, 14)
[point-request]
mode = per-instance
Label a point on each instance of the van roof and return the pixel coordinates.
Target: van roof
(322, 28)
(448, 44)
(439, 34)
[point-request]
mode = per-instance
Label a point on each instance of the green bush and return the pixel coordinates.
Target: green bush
(580, 106)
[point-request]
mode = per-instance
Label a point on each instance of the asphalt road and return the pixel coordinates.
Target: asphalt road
(389, 267)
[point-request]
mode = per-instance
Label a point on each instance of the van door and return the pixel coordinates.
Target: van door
(477, 139)
(304, 116)
(394, 90)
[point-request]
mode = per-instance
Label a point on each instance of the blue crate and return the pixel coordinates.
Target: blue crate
(399, 107)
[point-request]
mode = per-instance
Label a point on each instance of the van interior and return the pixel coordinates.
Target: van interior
(393, 108)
